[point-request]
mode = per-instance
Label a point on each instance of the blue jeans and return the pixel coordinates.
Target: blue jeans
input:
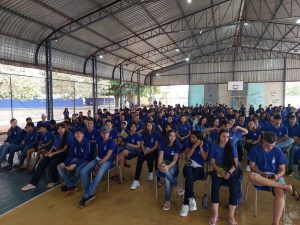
(1, 150)
(70, 178)
(292, 151)
(90, 186)
(171, 179)
(285, 145)
(10, 149)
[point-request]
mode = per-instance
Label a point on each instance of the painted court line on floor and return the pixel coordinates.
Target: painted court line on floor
(9, 211)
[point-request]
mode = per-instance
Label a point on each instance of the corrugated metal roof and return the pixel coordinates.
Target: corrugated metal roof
(131, 30)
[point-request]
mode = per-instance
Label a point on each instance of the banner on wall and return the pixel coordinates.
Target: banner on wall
(256, 94)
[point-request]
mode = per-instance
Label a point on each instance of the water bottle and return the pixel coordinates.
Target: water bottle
(205, 201)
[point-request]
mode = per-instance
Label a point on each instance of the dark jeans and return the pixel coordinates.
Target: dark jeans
(232, 183)
(191, 175)
(52, 163)
(141, 158)
(240, 149)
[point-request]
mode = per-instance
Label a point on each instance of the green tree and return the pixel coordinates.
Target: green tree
(130, 90)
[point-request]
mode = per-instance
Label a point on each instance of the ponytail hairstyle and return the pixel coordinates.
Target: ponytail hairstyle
(228, 155)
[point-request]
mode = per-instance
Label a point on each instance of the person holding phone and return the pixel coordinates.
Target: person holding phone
(267, 163)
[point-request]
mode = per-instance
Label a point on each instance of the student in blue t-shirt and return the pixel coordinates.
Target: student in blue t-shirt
(30, 141)
(43, 146)
(283, 140)
(183, 130)
(12, 143)
(101, 164)
(236, 134)
(98, 122)
(55, 156)
(267, 163)
(132, 145)
(113, 133)
(213, 132)
(196, 153)
(168, 167)
(201, 125)
(78, 156)
(149, 145)
(252, 139)
(224, 160)
(91, 134)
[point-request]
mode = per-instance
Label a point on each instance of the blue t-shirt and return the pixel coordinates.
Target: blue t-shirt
(279, 131)
(80, 151)
(217, 153)
(214, 135)
(183, 129)
(92, 136)
(133, 139)
(113, 134)
(196, 156)
(253, 135)
(98, 124)
(267, 161)
(149, 140)
(44, 139)
(235, 137)
(104, 146)
(31, 138)
(169, 151)
(291, 129)
(296, 132)
(69, 141)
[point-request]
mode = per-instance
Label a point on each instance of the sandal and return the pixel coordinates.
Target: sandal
(232, 222)
(295, 194)
(166, 206)
(180, 191)
(213, 221)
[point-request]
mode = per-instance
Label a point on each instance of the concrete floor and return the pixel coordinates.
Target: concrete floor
(121, 206)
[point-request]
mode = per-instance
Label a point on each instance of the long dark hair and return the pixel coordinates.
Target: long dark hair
(228, 155)
(168, 137)
(146, 131)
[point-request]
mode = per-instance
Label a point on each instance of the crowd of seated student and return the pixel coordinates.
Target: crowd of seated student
(162, 136)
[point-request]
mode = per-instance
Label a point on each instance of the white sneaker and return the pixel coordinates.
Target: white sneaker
(150, 176)
(248, 168)
(192, 204)
(184, 210)
(135, 185)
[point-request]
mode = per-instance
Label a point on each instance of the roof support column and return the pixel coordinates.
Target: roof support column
(139, 87)
(122, 97)
(189, 94)
(49, 83)
(95, 84)
(233, 93)
(284, 79)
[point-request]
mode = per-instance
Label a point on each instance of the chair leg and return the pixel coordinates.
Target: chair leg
(156, 191)
(247, 191)
(120, 173)
(108, 181)
(255, 202)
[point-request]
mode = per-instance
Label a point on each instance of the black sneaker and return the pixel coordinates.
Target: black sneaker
(64, 188)
(72, 188)
(84, 200)
(290, 173)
